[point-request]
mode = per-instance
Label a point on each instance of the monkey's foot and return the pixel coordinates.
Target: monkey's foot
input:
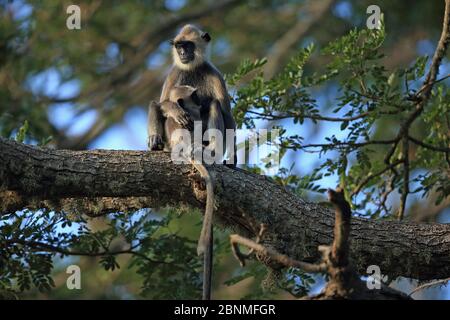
(155, 142)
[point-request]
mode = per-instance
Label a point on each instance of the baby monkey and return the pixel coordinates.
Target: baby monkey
(181, 112)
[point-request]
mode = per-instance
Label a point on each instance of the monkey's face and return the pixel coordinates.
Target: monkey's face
(184, 96)
(189, 46)
(185, 51)
(191, 101)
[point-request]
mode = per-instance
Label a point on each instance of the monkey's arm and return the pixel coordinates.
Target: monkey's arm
(156, 117)
(155, 126)
(221, 94)
(169, 83)
(173, 110)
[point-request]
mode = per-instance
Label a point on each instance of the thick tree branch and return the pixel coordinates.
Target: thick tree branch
(294, 227)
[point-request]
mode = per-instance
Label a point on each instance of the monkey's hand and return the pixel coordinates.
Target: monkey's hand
(155, 142)
(178, 114)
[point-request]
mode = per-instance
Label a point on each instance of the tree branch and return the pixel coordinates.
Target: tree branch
(429, 146)
(441, 282)
(236, 239)
(344, 282)
(41, 246)
(294, 227)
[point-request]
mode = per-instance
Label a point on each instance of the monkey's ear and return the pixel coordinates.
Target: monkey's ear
(205, 36)
(180, 102)
(171, 42)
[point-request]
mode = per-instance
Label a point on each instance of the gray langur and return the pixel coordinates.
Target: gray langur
(193, 69)
(186, 99)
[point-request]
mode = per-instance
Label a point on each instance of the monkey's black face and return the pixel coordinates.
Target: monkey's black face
(194, 99)
(185, 50)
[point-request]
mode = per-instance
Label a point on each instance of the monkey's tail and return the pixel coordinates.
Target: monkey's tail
(206, 233)
(205, 242)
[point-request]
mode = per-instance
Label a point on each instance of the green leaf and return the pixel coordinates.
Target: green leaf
(21, 134)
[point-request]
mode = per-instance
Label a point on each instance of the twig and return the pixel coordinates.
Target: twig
(429, 284)
(270, 116)
(283, 259)
(405, 190)
(51, 248)
(431, 84)
(346, 144)
(371, 176)
(340, 247)
(428, 146)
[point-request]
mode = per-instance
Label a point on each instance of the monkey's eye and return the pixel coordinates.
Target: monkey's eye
(188, 45)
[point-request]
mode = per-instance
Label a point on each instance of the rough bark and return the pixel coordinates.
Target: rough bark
(244, 200)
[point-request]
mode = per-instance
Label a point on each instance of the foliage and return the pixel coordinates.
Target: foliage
(162, 258)
(369, 162)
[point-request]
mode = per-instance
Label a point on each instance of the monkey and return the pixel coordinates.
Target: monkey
(186, 98)
(191, 68)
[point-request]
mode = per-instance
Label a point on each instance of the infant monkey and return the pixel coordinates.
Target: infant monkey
(185, 98)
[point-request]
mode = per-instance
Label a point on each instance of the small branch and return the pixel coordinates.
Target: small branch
(374, 175)
(387, 158)
(431, 84)
(430, 80)
(388, 189)
(429, 284)
(346, 144)
(270, 116)
(428, 146)
(236, 239)
(40, 246)
(439, 53)
(340, 247)
(405, 190)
